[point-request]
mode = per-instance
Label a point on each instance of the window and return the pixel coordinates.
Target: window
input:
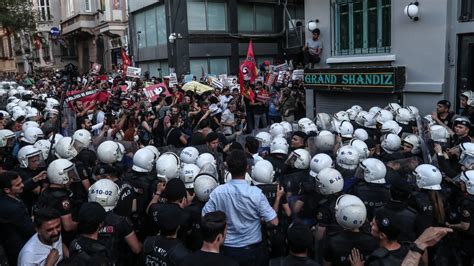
(150, 27)
(466, 10)
(207, 15)
(88, 7)
(255, 18)
(44, 11)
(215, 66)
(362, 27)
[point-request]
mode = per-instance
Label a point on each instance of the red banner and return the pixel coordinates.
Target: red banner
(155, 91)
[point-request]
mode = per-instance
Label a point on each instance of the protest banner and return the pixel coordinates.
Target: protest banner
(154, 91)
(298, 74)
(134, 72)
(173, 79)
(281, 67)
(281, 77)
(76, 95)
(270, 79)
(216, 83)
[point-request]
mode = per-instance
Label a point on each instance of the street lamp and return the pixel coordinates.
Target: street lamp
(411, 11)
(138, 47)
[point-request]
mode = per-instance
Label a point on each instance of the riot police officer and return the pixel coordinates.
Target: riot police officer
(7, 141)
(117, 231)
(278, 155)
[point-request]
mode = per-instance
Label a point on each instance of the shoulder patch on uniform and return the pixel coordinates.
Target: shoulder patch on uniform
(66, 205)
(466, 213)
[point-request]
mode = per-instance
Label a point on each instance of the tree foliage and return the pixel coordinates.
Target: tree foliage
(17, 15)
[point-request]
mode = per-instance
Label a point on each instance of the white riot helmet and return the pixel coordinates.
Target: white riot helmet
(391, 143)
(323, 121)
(347, 157)
(152, 149)
(302, 159)
(346, 129)
(341, 116)
(23, 104)
(287, 127)
(168, 166)
(439, 133)
(7, 138)
(279, 145)
(374, 171)
(414, 141)
(361, 134)
(18, 108)
(430, 120)
(189, 155)
(428, 177)
(360, 118)
(65, 148)
(468, 178)
(32, 112)
(352, 114)
(414, 112)
(357, 108)
(82, 139)
(61, 172)
(329, 181)
(57, 137)
(302, 121)
(144, 160)
(10, 106)
(44, 146)
(228, 177)
(188, 172)
(5, 114)
(13, 92)
(350, 212)
(318, 163)
(18, 113)
(325, 141)
(374, 109)
(383, 116)
(27, 152)
(51, 103)
(369, 120)
(390, 126)
(262, 172)
(105, 192)
(309, 127)
(403, 116)
(28, 124)
(470, 97)
(393, 107)
(466, 148)
(109, 152)
(361, 148)
(204, 159)
(277, 130)
(264, 138)
(204, 184)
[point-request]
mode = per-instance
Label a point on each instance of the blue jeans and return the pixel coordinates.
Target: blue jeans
(253, 255)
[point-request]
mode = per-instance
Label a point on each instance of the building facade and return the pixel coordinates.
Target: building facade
(211, 36)
(93, 32)
(7, 59)
(363, 37)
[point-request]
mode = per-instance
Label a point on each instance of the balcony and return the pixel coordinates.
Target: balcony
(79, 23)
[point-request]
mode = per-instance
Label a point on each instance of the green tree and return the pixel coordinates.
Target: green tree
(17, 15)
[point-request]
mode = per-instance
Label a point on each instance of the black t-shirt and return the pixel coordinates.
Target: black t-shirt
(159, 250)
(390, 257)
(204, 258)
(112, 235)
(85, 251)
(126, 197)
(172, 137)
(291, 260)
(338, 246)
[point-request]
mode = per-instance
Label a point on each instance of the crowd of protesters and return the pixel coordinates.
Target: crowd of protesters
(228, 176)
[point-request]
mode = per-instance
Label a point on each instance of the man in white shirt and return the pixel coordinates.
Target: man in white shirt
(46, 246)
(228, 121)
(225, 98)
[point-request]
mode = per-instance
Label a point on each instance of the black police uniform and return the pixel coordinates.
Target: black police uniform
(293, 179)
(338, 246)
(420, 201)
(373, 195)
(85, 251)
(124, 205)
(28, 197)
(7, 161)
(80, 194)
(112, 236)
(194, 239)
(185, 221)
(384, 257)
(159, 250)
(16, 226)
(326, 213)
(406, 218)
(279, 166)
(467, 237)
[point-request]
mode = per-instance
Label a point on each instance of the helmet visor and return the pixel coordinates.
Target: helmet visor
(467, 161)
(36, 160)
(10, 141)
(72, 174)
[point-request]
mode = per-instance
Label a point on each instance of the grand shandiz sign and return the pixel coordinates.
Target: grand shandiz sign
(375, 79)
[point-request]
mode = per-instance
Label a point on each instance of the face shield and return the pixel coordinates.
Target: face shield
(11, 141)
(292, 159)
(36, 160)
(467, 162)
(72, 174)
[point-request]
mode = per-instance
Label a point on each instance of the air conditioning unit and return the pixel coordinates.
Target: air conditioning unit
(295, 23)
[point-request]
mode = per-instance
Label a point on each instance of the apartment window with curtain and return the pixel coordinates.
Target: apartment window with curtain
(215, 66)
(152, 27)
(255, 18)
(88, 7)
(466, 10)
(207, 15)
(44, 11)
(361, 26)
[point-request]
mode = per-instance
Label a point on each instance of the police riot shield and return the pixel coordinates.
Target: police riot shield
(403, 168)
(323, 143)
(424, 135)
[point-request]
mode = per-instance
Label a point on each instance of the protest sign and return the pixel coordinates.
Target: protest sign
(154, 91)
(134, 72)
(270, 79)
(281, 67)
(298, 74)
(216, 83)
(76, 95)
(281, 77)
(173, 79)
